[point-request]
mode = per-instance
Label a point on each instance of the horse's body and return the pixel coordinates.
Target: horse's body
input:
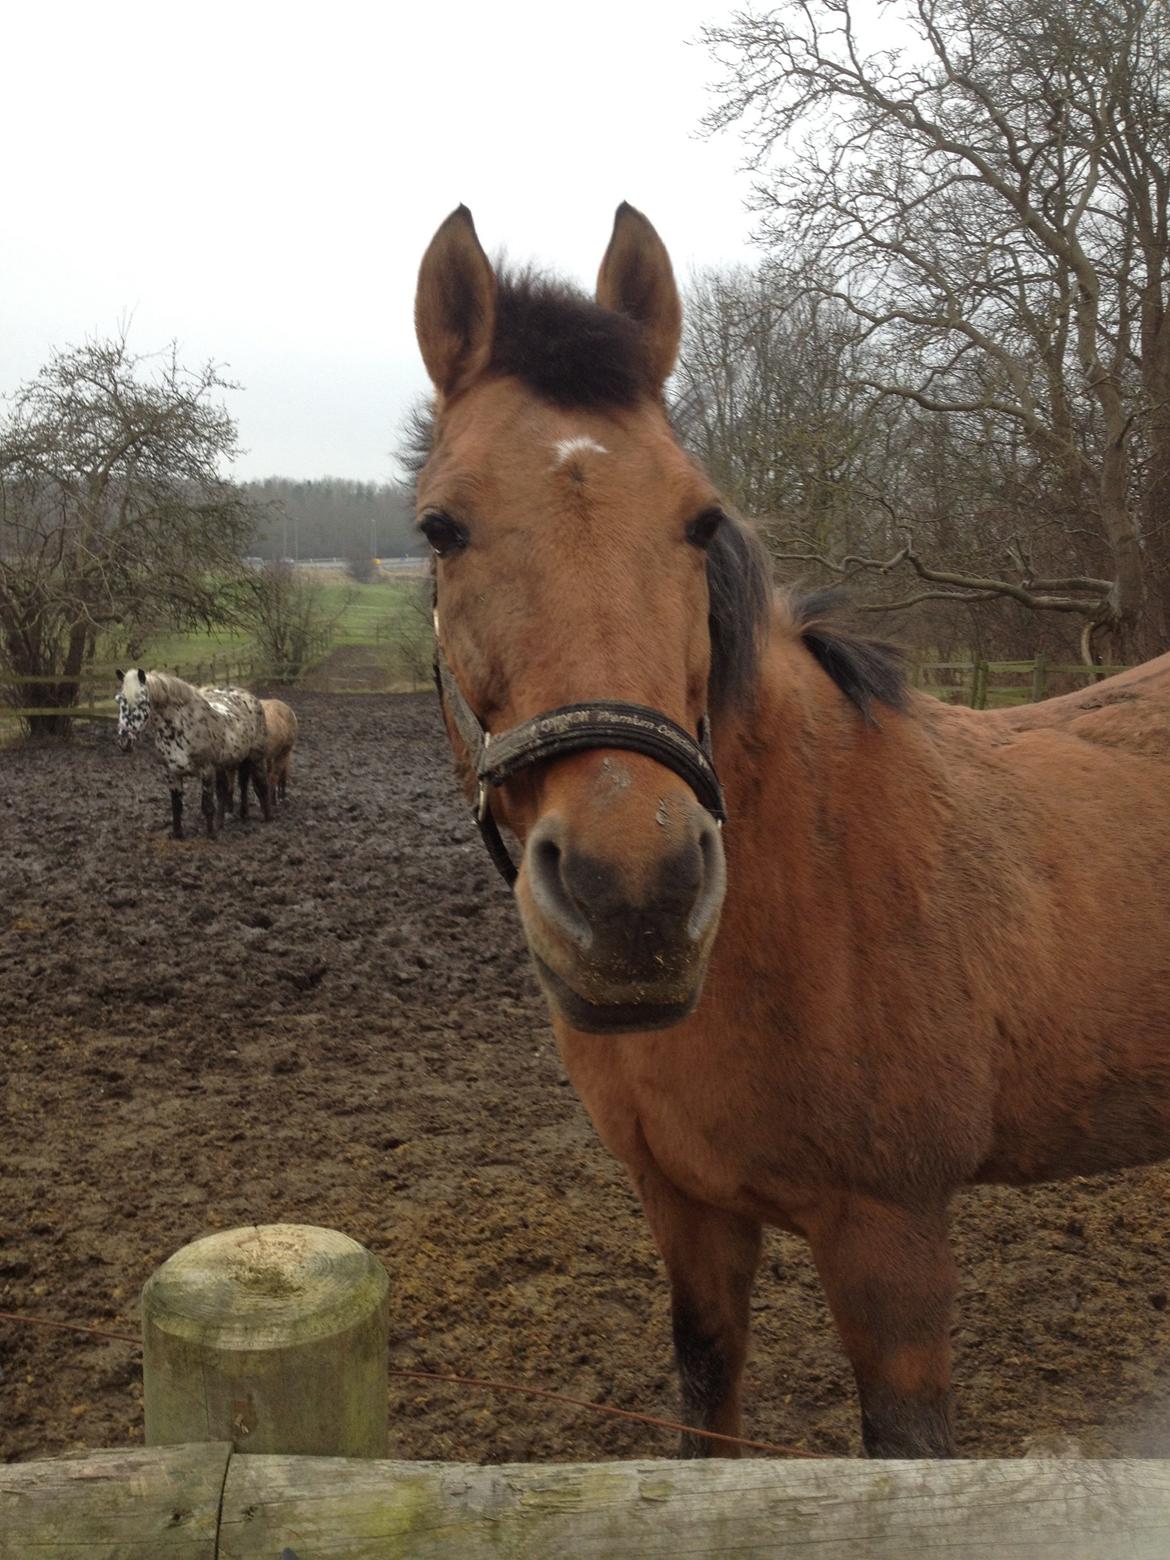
(196, 732)
(943, 947)
(280, 735)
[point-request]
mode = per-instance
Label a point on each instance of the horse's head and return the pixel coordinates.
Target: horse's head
(571, 533)
(133, 702)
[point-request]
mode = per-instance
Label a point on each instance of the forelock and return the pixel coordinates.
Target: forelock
(567, 348)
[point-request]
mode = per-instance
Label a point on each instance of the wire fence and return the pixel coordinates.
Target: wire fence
(473, 1383)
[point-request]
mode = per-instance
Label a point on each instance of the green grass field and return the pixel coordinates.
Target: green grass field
(367, 615)
(380, 641)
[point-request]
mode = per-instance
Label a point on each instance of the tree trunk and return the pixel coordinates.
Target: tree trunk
(1135, 628)
(1156, 496)
(62, 694)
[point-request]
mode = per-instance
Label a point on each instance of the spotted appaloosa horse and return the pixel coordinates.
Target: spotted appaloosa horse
(196, 731)
(930, 947)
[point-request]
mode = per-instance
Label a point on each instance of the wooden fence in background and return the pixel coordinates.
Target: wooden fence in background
(95, 693)
(995, 684)
(980, 684)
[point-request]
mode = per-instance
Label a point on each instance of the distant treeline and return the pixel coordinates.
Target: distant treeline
(332, 517)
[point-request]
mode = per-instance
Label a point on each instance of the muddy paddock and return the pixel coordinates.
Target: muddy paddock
(331, 1019)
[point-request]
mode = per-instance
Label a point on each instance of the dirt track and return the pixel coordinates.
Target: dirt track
(331, 1019)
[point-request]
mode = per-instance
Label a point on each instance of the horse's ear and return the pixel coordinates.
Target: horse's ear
(455, 305)
(120, 675)
(636, 279)
(141, 676)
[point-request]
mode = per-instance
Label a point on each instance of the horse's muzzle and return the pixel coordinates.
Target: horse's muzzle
(125, 741)
(616, 955)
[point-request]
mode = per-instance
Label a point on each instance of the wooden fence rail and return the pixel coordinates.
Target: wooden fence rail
(204, 1502)
(986, 684)
(980, 684)
(270, 1342)
(95, 699)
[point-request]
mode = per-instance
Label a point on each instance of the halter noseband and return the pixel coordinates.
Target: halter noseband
(573, 728)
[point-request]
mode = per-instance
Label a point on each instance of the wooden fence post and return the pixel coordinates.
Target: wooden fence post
(979, 685)
(1039, 678)
(273, 1337)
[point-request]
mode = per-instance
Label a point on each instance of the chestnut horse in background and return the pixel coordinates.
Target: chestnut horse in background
(931, 946)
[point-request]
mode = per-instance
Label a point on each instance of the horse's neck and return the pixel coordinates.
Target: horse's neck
(158, 689)
(804, 771)
(170, 692)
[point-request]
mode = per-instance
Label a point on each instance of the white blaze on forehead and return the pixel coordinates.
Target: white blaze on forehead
(132, 688)
(565, 449)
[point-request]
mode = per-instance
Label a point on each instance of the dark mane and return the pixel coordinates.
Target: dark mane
(566, 347)
(867, 671)
(739, 591)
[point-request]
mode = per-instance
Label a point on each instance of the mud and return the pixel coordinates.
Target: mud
(331, 1019)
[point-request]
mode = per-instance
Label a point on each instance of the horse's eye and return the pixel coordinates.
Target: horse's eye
(444, 534)
(701, 531)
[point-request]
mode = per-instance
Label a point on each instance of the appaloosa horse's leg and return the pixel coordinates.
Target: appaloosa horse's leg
(177, 811)
(711, 1257)
(263, 790)
(207, 800)
(890, 1281)
(223, 795)
(243, 775)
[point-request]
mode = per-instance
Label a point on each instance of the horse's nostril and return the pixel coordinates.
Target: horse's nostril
(546, 876)
(713, 882)
(547, 855)
(589, 900)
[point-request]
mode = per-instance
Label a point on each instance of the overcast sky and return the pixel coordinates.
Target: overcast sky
(259, 181)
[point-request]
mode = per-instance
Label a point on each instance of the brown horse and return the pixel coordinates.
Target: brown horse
(931, 946)
(280, 725)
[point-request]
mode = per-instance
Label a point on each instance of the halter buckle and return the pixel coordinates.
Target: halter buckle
(481, 795)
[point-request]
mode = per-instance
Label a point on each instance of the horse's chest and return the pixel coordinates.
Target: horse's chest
(764, 1129)
(718, 1135)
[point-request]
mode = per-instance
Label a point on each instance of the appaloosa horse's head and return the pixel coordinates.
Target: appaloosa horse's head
(133, 702)
(574, 541)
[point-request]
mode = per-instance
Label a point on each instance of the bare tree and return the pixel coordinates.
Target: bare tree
(114, 513)
(291, 618)
(411, 633)
(988, 198)
(768, 396)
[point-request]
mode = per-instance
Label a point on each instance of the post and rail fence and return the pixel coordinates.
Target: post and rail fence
(995, 684)
(979, 684)
(265, 1362)
(95, 700)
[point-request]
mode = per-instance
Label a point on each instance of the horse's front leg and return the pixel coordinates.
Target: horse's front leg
(263, 789)
(176, 809)
(890, 1281)
(207, 800)
(223, 795)
(711, 1257)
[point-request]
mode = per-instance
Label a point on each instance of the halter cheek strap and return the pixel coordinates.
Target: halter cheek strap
(573, 728)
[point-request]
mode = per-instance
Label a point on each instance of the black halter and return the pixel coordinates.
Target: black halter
(573, 728)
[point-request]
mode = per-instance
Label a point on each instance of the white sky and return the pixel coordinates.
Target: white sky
(259, 181)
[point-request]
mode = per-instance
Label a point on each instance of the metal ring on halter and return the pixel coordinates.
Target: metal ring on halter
(481, 795)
